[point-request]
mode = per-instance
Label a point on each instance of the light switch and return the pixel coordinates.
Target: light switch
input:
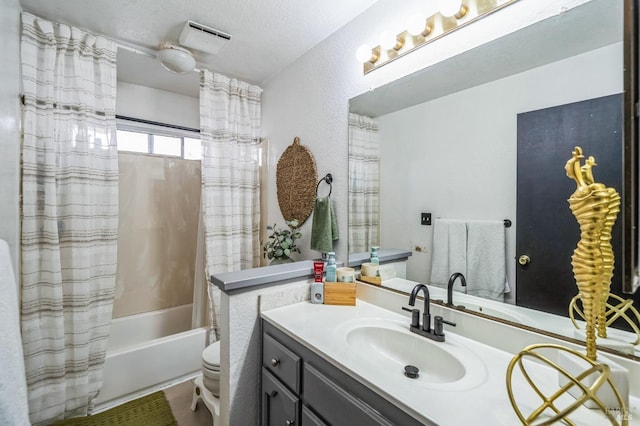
(425, 219)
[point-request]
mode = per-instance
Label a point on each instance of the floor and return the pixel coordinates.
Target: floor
(179, 397)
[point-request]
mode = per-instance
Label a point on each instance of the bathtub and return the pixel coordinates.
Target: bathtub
(149, 351)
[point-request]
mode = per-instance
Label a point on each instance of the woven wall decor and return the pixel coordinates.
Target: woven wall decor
(296, 178)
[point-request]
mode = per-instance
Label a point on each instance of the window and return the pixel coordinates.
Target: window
(158, 139)
(132, 141)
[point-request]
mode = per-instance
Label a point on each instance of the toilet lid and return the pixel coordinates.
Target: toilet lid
(211, 355)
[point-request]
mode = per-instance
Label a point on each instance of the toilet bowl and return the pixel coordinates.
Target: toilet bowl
(211, 368)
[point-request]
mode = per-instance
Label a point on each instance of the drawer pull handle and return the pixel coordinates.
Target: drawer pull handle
(275, 362)
(273, 393)
(289, 423)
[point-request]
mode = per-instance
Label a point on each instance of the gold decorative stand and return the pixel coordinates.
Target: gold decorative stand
(593, 384)
(615, 307)
(558, 405)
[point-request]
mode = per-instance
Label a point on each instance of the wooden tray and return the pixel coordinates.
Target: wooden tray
(340, 294)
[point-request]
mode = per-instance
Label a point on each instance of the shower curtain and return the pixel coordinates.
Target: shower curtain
(364, 183)
(230, 134)
(69, 214)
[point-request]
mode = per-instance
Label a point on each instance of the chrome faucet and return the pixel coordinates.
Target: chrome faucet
(452, 280)
(437, 332)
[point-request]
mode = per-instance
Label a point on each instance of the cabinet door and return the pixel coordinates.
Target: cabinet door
(309, 418)
(279, 406)
(335, 404)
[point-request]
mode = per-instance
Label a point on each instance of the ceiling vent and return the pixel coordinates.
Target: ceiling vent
(203, 38)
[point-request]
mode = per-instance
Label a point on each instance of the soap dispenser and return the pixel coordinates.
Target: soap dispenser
(331, 274)
(373, 256)
(374, 259)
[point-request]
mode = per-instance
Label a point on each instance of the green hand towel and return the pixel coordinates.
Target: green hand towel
(324, 229)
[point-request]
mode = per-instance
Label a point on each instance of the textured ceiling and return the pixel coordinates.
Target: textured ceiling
(266, 35)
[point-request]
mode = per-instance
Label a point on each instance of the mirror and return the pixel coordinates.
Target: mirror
(448, 135)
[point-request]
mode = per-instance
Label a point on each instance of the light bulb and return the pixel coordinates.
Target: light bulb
(389, 41)
(417, 25)
(364, 53)
(450, 7)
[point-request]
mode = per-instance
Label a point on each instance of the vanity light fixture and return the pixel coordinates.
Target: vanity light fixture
(453, 8)
(452, 14)
(366, 54)
(418, 25)
(390, 41)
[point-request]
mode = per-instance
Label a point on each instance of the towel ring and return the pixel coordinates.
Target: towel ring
(328, 179)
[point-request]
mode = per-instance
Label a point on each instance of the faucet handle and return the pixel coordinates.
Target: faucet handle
(437, 325)
(415, 316)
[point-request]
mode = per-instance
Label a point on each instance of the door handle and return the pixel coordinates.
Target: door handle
(524, 260)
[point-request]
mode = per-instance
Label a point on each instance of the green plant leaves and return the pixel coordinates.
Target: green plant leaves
(281, 243)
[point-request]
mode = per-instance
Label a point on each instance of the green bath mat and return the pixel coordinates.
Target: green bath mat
(150, 410)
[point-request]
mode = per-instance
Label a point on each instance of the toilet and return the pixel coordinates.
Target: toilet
(206, 387)
(211, 368)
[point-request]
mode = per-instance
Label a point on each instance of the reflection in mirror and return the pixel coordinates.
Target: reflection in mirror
(445, 141)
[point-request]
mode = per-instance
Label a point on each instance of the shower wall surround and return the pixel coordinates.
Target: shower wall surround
(9, 125)
(159, 206)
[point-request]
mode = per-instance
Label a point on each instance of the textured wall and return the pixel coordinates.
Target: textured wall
(240, 360)
(9, 127)
(158, 224)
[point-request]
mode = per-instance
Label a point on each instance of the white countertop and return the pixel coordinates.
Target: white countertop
(483, 400)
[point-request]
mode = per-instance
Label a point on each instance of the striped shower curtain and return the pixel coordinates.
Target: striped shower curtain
(364, 183)
(69, 214)
(230, 133)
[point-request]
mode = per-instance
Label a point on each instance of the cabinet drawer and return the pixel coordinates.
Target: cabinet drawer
(279, 405)
(280, 361)
(335, 404)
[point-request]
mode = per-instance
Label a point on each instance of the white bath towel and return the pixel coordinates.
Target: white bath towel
(449, 252)
(14, 408)
(486, 259)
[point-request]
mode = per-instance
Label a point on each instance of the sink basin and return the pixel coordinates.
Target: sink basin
(399, 349)
(387, 346)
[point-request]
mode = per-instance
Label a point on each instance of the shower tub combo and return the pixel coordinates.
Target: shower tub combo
(150, 351)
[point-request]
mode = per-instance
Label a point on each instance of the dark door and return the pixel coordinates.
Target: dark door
(547, 232)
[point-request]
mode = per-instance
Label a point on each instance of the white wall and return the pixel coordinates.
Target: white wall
(468, 170)
(10, 88)
(157, 105)
(309, 98)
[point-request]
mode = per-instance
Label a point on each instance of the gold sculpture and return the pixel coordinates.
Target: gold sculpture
(596, 208)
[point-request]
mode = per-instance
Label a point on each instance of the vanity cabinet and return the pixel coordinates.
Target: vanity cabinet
(300, 387)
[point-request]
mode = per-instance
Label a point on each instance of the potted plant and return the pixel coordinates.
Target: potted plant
(281, 243)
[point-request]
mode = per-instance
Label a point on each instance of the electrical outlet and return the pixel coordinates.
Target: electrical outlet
(425, 219)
